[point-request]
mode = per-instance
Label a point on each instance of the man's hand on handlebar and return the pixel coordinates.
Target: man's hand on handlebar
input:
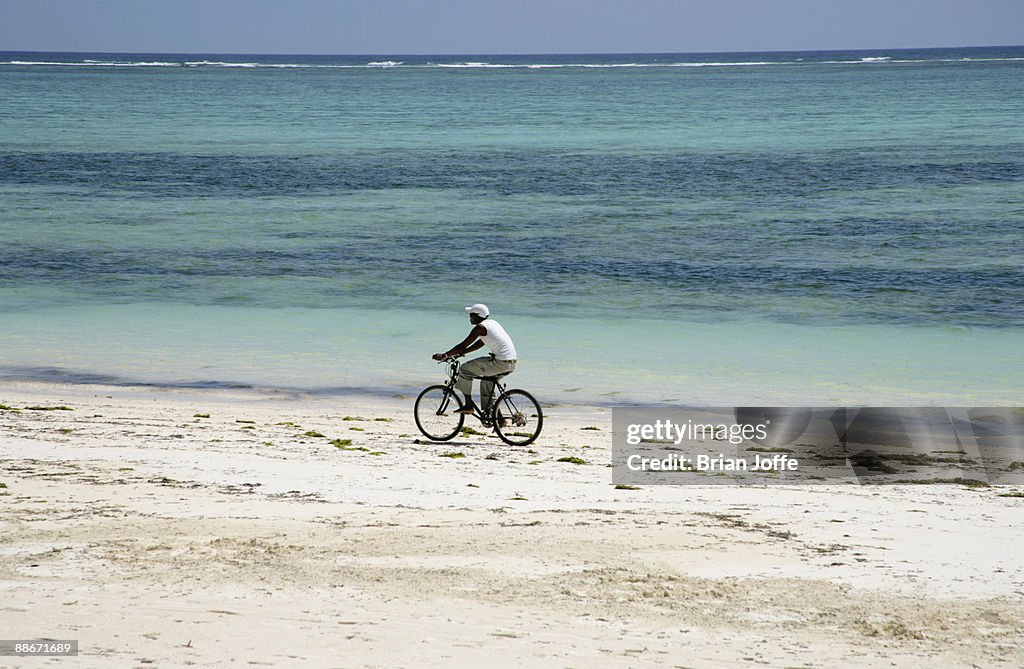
(443, 356)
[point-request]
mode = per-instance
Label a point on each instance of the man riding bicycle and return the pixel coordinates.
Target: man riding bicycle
(502, 360)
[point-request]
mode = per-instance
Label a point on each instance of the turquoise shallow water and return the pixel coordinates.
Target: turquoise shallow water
(605, 361)
(843, 227)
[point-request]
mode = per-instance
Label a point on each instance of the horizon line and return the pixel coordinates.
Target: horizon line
(525, 53)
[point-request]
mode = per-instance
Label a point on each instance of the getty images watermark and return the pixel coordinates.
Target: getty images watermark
(793, 445)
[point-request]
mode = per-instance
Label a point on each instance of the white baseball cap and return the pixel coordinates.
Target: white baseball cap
(479, 310)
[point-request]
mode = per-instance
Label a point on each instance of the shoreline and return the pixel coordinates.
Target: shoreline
(133, 505)
(756, 363)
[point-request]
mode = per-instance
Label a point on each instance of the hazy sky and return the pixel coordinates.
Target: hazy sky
(505, 26)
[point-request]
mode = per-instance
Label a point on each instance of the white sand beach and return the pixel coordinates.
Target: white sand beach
(182, 528)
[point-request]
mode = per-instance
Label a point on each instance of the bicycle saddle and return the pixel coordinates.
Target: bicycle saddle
(495, 377)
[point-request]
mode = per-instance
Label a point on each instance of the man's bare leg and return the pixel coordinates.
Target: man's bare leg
(467, 407)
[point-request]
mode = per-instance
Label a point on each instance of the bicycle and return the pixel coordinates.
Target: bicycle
(514, 414)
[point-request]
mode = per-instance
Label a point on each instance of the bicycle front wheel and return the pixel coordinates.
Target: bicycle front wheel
(517, 418)
(435, 413)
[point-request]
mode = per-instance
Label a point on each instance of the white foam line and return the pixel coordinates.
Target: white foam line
(388, 64)
(91, 63)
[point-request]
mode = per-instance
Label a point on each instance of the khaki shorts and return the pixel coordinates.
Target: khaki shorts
(484, 366)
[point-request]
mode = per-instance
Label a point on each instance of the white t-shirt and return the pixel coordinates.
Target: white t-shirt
(498, 340)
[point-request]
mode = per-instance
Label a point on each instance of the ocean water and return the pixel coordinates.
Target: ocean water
(770, 228)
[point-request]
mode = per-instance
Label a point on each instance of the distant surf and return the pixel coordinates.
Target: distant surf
(508, 62)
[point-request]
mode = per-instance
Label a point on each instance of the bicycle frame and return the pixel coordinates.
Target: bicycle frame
(480, 413)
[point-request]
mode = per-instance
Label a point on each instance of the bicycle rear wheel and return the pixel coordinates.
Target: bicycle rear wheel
(517, 418)
(435, 413)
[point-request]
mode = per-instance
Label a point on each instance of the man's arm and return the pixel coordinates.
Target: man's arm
(470, 343)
